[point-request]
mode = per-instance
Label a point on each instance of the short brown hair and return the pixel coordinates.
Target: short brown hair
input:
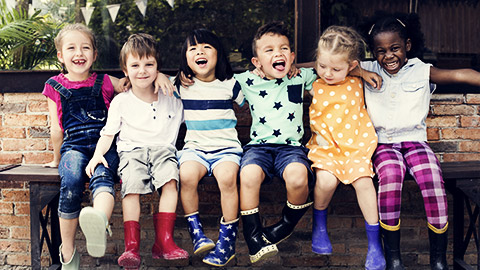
(140, 45)
(275, 27)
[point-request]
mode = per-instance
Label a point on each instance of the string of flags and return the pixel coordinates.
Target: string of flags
(87, 11)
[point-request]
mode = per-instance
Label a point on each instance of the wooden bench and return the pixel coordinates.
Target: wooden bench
(462, 181)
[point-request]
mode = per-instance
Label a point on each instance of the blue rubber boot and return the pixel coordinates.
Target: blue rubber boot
(224, 250)
(320, 241)
(201, 243)
(375, 259)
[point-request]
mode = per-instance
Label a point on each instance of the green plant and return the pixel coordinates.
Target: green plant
(26, 41)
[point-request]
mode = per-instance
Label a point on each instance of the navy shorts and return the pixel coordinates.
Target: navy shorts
(274, 158)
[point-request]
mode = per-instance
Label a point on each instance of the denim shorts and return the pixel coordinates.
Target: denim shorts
(146, 169)
(274, 158)
(210, 159)
(72, 166)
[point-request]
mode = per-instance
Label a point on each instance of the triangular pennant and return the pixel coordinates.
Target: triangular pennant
(113, 10)
(87, 13)
(142, 6)
(171, 2)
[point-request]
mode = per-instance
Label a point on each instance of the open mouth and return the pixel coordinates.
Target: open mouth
(201, 62)
(391, 66)
(79, 62)
(279, 65)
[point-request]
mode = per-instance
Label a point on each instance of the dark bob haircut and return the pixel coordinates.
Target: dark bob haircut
(223, 70)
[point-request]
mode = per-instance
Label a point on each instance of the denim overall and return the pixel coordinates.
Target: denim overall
(84, 115)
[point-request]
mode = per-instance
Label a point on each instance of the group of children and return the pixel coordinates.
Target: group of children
(356, 128)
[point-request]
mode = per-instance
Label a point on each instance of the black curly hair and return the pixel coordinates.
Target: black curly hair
(406, 25)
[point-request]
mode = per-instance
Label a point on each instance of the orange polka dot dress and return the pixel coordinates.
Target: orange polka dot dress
(343, 137)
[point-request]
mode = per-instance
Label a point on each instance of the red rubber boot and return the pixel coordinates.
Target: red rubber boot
(164, 246)
(130, 259)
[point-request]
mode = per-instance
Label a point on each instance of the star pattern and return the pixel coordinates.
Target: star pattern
(279, 81)
(263, 93)
(288, 141)
(254, 133)
(277, 105)
(262, 120)
(276, 132)
(291, 116)
(299, 129)
(249, 82)
(263, 141)
(251, 107)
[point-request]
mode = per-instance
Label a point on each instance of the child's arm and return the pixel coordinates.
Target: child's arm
(56, 134)
(103, 145)
(371, 78)
(161, 82)
(466, 75)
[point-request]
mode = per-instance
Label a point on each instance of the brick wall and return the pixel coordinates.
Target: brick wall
(24, 138)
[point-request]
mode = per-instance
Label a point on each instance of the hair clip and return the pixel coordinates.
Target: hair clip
(371, 28)
(401, 22)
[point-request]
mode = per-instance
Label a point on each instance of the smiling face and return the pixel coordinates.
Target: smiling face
(390, 50)
(141, 72)
(274, 56)
(77, 54)
(202, 60)
(333, 68)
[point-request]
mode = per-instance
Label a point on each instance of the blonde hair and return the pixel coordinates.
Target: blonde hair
(74, 27)
(342, 40)
(140, 45)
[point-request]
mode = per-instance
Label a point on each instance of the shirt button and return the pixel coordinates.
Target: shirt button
(392, 95)
(389, 138)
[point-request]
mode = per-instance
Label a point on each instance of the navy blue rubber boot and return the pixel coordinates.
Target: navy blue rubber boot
(224, 250)
(375, 259)
(201, 243)
(320, 241)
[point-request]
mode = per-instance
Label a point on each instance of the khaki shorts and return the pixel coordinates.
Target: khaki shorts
(146, 169)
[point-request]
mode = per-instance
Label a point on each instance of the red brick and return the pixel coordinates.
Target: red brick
(20, 233)
(10, 158)
(447, 157)
(442, 121)
(9, 132)
(469, 146)
(24, 145)
(12, 108)
(18, 259)
(14, 246)
(460, 133)
(14, 195)
(7, 220)
(38, 157)
(447, 99)
(6, 208)
(473, 98)
(433, 134)
(454, 110)
(38, 132)
(25, 120)
(469, 121)
(4, 234)
(22, 208)
(22, 97)
(38, 106)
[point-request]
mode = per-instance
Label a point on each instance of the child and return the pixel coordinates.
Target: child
(211, 143)
(147, 125)
(343, 138)
(78, 101)
(276, 106)
(398, 112)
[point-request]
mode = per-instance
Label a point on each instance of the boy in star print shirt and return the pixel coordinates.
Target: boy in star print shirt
(276, 106)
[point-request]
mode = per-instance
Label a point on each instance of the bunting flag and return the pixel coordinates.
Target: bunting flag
(113, 10)
(142, 6)
(87, 13)
(171, 2)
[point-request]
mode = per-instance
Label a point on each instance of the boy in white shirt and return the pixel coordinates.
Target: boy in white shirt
(147, 125)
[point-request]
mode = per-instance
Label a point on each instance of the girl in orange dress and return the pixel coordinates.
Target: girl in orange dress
(343, 138)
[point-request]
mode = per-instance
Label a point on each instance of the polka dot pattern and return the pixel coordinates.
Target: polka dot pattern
(343, 137)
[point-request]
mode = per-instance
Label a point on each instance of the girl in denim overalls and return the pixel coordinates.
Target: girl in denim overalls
(78, 101)
(398, 111)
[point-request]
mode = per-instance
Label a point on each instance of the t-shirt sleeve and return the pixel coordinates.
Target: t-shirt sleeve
(107, 90)
(113, 124)
(238, 94)
(309, 76)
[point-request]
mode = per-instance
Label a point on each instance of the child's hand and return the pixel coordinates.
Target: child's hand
(122, 85)
(185, 81)
(259, 72)
(52, 164)
(372, 78)
(162, 82)
(96, 159)
(293, 72)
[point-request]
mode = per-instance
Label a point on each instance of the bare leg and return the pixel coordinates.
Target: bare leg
(367, 199)
(324, 189)
(226, 175)
(169, 197)
(251, 178)
(190, 174)
(296, 181)
(131, 207)
(68, 228)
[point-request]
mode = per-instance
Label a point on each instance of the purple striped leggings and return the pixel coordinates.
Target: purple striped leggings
(391, 162)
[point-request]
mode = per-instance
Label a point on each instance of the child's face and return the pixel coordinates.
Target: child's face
(202, 60)
(77, 54)
(333, 68)
(274, 56)
(390, 50)
(141, 72)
